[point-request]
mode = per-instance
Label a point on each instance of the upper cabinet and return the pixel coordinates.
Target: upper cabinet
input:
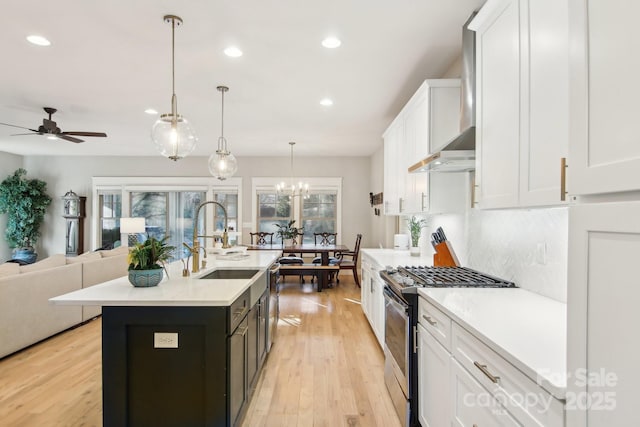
(604, 152)
(426, 123)
(522, 102)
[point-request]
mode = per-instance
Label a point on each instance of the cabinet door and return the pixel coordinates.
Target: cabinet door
(263, 327)
(545, 113)
(252, 343)
(237, 372)
(498, 107)
(602, 306)
(434, 363)
(472, 404)
(393, 176)
(377, 307)
(604, 152)
(365, 290)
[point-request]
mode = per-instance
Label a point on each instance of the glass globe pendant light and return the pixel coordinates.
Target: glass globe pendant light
(172, 134)
(222, 164)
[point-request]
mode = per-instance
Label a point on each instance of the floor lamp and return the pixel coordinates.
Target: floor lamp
(132, 226)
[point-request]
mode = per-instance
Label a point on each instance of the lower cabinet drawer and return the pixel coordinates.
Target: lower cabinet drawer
(473, 405)
(435, 321)
(529, 403)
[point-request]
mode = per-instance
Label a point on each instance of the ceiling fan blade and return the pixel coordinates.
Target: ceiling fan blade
(20, 127)
(69, 138)
(21, 134)
(84, 133)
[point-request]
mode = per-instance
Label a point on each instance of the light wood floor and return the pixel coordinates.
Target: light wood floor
(325, 369)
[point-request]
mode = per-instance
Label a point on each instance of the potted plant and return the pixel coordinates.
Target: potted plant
(415, 229)
(146, 261)
(288, 232)
(25, 202)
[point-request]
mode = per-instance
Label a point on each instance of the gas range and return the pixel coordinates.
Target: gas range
(406, 279)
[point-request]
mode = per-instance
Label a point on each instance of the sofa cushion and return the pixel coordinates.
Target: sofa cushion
(53, 261)
(9, 268)
(89, 256)
(114, 252)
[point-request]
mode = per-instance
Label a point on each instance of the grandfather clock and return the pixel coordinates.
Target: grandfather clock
(74, 213)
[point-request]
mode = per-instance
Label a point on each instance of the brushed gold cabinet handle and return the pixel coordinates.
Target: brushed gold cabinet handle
(494, 379)
(430, 320)
(563, 179)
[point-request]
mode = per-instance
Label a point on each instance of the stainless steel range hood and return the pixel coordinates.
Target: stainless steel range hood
(459, 154)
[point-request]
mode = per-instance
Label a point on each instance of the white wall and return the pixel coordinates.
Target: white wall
(74, 173)
(8, 164)
(383, 227)
(525, 246)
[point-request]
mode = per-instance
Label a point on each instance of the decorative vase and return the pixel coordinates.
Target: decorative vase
(28, 255)
(414, 251)
(287, 242)
(145, 278)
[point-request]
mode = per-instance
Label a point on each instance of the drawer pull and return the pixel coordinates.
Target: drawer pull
(430, 320)
(485, 371)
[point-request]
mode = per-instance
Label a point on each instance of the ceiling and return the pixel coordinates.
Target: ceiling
(111, 60)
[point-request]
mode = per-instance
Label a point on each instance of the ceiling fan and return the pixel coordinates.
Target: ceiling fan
(49, 127)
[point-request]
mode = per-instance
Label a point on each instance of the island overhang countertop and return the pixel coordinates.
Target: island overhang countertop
(176, 290)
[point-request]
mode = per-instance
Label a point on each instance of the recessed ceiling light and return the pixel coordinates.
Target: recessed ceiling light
(150, 111)
(38, 40)
(233, 52)
(326, 102)
(331, 42)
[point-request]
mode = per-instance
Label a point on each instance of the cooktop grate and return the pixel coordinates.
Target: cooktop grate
(453, 277)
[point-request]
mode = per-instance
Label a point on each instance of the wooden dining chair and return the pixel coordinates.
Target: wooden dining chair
(348, 260)
(262, 238)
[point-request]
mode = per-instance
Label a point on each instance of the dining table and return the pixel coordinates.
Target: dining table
(307, 248)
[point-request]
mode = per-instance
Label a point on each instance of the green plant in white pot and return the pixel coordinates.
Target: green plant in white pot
(415, 229)
(288, 233)
(25, 202)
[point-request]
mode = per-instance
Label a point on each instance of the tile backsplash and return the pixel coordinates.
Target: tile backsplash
(528, 247)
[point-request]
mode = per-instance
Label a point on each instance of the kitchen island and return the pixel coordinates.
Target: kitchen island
(188, 351)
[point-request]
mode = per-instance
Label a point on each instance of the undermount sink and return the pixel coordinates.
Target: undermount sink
(230, 274)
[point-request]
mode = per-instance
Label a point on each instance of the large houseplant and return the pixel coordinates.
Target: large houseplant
(25, 202)
(146, 261)
(415, 229)
(288, 231)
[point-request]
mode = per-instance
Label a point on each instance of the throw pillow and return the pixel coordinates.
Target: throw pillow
(9, 269)
(53, 261)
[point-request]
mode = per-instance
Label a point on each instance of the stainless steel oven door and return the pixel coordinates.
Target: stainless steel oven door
(396, 337)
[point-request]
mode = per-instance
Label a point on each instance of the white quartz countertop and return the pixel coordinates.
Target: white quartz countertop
(176, 290)
(394, 258)
(525, 328)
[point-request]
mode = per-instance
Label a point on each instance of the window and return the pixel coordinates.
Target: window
(168, 205)
(168, 214)
(319, 214)
(109, 213)
(273, 209)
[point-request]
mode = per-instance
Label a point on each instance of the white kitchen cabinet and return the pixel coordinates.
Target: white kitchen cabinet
(426, 123)
(434, 362)
(603, 300)
(604, 151)
(522, 102)
(393, 176)
(371, 296)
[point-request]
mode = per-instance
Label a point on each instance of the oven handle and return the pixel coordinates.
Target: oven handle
(393, 299)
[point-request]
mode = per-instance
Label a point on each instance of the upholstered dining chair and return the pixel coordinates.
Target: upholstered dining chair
(348, 260)
(262, 238)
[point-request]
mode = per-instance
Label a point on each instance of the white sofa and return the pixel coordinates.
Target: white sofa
(26, 316)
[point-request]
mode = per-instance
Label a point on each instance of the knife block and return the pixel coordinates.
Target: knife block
(445, 256)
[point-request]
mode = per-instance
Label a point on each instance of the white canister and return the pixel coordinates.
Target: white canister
(401, 242)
